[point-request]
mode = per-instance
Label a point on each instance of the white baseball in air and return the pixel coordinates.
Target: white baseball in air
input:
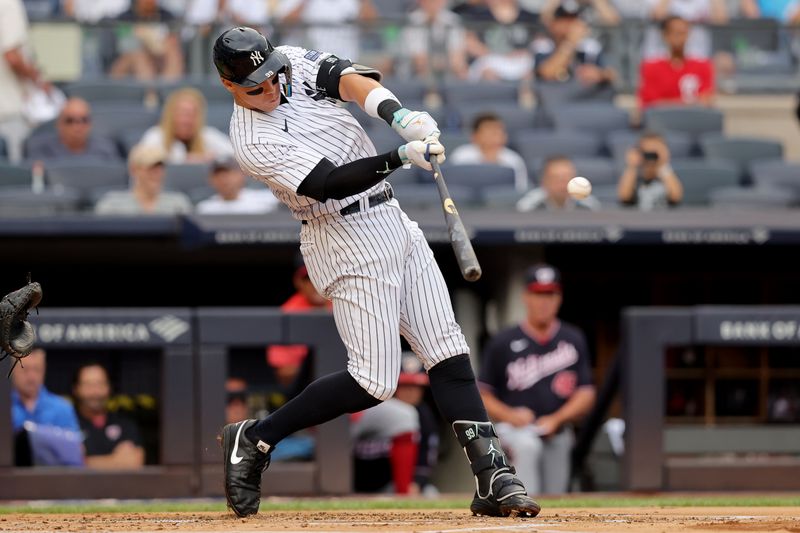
(579, 188)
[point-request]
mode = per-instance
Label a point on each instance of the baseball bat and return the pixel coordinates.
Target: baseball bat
(465, 255)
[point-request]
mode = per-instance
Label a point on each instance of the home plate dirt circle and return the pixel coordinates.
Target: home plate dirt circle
(552, 520)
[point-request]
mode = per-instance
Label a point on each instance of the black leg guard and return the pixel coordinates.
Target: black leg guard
(499, 492)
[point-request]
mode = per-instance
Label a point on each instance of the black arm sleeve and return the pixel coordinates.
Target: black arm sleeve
(326, 180)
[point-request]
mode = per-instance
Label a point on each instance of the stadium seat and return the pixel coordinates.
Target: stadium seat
(403, 175)
(3, 149)
(590, 118)
(694, 121)
(700, 177)
(213, 91)
(425, 195)
(476, 176)
(458, 93)
(680, 144)
(551, 95)
(110, 119)
(607, 196)
(453, 139)
(219, 116)
(21, 201)
(505, 198)
(129, 138)
(87, 176)
(394, 9)
(385, 139)
(741, 151)
(186, 177)
(598, 170)
(514, 117)
(108, 91)
(538, 144)
(752, 198)
(779, 174)
(14, 175)
(200, 193)
(406, 89)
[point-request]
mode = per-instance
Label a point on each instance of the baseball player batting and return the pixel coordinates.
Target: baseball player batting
(362, 252)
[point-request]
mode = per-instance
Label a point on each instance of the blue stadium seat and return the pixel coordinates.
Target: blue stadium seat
(752, 198)
(129, 138)
(453, 139)
(778, 174)
(110, 119)
(3, 149)
(550, 96)
(385, 139)
(590, 118)
(22, 201)
(459, 93)
(598, 170)
(219, 116)
(699, 177)
(425, 195)
(108, 91)
(87, 176)
(607, 196)
(213, 91)
(187, 177)
(680, 144)
(500, 198)
(741, 151)
(406, 88)
(476, 176)
(14, 175)
(538, 144)
(694, 121)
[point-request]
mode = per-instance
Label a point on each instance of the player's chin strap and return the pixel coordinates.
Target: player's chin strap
(493, 475)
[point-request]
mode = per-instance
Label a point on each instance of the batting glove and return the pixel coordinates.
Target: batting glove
(419, 153)
(415, 125)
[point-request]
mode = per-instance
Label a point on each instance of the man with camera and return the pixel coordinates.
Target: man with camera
(649, 182)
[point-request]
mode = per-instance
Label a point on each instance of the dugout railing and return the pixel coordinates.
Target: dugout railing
(701, 456)
(193, 346)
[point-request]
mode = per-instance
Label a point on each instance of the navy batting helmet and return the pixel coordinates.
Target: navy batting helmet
(245, 57)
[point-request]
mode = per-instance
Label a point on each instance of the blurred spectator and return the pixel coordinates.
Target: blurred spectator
(73, 137)
(155, 51)
(111, 440)
(236, 408)
(146, 168)
(678, 78)
(649, 182)
(786, 11)
(32, 402)
(536, 382)
(601, 12)
(499, 40)
(93, 11)
(330, 24)
(434, 38)
(698, 12)
(237, 12)
(489, 146)
(17, 72)
(397, 442)
(552, 193)
(287, 360)
(569, 51)
(232, 197)
(183, 132)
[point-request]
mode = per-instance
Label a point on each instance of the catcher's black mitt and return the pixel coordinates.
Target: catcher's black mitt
(16, 333)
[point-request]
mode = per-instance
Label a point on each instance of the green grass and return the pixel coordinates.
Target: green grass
(369, 503)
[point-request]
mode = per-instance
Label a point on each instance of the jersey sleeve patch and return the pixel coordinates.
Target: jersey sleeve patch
(312, 55)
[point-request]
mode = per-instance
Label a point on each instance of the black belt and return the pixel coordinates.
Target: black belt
(376, 199)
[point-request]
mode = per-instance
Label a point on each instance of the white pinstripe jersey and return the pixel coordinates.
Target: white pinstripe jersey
(280, 148)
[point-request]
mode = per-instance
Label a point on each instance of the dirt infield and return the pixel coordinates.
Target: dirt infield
(640, 519)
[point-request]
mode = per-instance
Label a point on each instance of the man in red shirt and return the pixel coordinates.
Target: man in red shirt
(677, 79)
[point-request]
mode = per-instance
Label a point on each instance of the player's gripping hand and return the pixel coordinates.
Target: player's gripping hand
(415, 125)
(419, 153)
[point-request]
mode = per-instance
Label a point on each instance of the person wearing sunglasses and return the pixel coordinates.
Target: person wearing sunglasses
(73, 137)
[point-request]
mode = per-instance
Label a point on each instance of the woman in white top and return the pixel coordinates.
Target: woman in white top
(183, 133)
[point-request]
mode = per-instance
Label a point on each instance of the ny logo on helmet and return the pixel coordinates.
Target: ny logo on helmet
(256, 58)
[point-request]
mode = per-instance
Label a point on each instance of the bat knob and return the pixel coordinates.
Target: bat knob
(472, 273)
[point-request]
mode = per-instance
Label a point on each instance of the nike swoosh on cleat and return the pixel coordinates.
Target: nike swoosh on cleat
(235, 459)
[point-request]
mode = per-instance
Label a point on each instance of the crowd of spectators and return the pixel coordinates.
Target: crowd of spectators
(555, 53)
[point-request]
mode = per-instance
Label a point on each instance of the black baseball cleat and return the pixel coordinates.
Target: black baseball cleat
(516, 505)
(244, 464)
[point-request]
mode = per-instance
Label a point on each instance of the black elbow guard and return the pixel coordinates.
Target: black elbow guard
(331, 71)
(313, 185)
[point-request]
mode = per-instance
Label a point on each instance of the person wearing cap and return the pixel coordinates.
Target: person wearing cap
(569, 52)
(397, 442)
(232, 198)
(146, 168)
(536, 382)
(602, 12)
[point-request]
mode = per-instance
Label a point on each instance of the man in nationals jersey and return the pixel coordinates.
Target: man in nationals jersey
(535, 381)
(362, 252)
(676, 79)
